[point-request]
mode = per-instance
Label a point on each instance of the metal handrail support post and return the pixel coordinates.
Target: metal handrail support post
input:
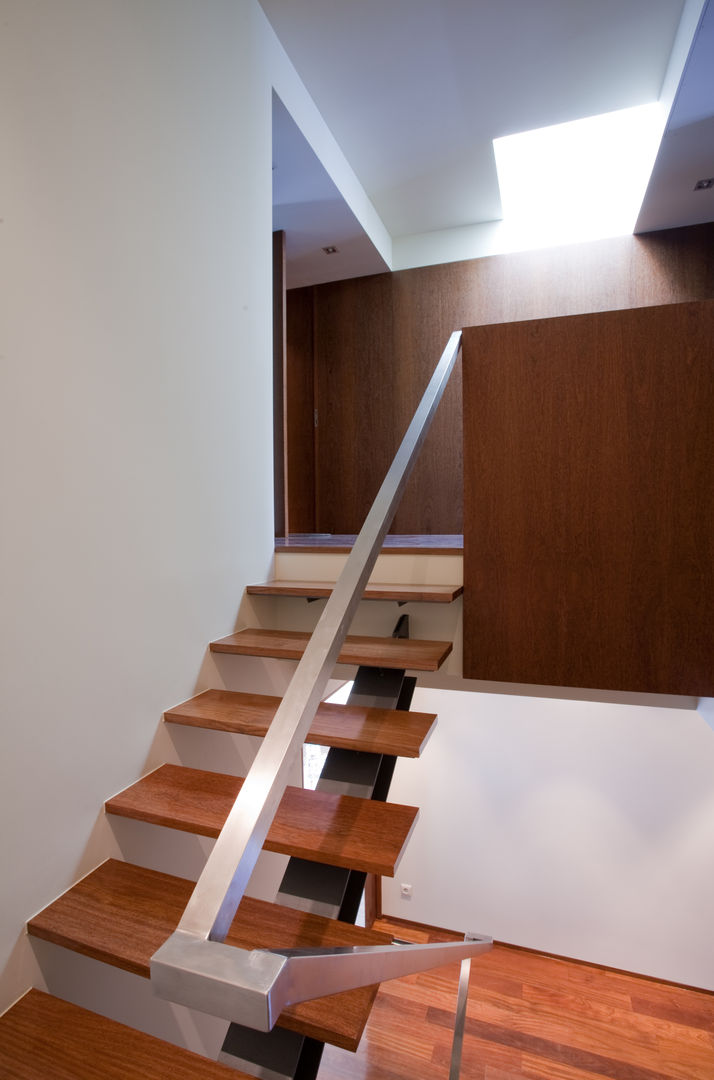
(460, 1020)
(255, 987)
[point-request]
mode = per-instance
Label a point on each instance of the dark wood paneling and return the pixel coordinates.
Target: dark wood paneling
(299, 407)
(279, 347)
(427, 309)
(589, 537)
(378, 339)
(355, 376)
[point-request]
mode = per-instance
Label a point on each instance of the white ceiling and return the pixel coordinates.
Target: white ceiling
(414, 91)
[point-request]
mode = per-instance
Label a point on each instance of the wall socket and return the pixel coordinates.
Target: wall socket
(406, 890)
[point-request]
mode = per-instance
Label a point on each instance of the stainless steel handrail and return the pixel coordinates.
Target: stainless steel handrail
(253, 988)
(193, 966)
(220, 888)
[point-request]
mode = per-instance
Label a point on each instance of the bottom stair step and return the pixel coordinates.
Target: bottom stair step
(44, 1038)
(121, 914)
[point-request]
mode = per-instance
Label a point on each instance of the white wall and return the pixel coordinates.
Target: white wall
(136, 400)
(578, 827)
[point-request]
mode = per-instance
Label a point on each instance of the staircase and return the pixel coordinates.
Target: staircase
(211, 946)
(121, 913)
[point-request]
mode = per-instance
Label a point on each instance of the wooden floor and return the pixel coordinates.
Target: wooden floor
(535, 1017)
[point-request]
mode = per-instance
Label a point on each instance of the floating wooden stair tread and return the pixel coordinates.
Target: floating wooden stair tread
(315, 590)
(350, 727)
(407, 653)
(45, 1038)
(339, 830)
(120, 914)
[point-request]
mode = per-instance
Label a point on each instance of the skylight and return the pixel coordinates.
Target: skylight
(583, 180)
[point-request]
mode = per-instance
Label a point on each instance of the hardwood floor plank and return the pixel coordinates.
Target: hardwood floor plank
(500, 1074)
(685, 1062)
(609, 987)
(492, 1057)
(646, 1027)
(616, 1068)
(592, 1050)
(680, 1009)
(537, 1068)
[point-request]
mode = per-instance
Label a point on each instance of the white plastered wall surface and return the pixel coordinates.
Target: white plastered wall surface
(582, 828)
(136, 412)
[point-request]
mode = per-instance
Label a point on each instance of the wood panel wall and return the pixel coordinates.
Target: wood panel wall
(377, 340)
(299, 413)
(280, 498)
(589, 502)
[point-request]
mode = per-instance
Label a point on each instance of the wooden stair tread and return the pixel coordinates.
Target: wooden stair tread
(120, 914)
(43, 1037)
(404, 653)
(350, 727)
(425, 594)
(339, 830)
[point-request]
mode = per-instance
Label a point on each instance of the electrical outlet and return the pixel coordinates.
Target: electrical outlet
(406, 890)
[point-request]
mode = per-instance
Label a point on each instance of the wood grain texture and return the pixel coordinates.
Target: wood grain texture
(378, 339)
(120, 914)
(280, 501)
(315, 590)
(531, 1017)
(44, 1038)
(340, 830)
(299, 412)
(408, 653)
(355, 393)
(589, 543)
(350, 727)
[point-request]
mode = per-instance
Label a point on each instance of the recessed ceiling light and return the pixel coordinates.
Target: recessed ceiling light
(702, 185)
(330, 250)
